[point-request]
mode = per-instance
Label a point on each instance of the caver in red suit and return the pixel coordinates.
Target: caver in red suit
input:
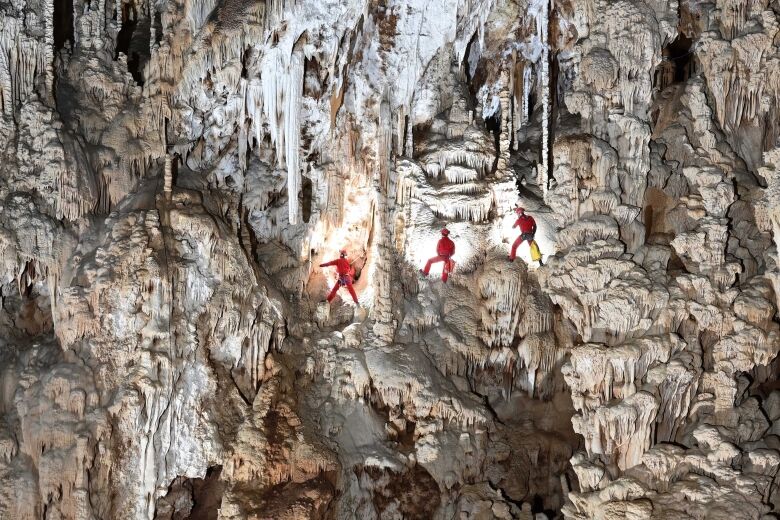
(344, 270)
(527, 226)
(444, 249)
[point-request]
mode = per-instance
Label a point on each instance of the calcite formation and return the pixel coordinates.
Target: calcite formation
(173, 173)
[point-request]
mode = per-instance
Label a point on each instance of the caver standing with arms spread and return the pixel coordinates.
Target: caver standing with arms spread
(344, 270)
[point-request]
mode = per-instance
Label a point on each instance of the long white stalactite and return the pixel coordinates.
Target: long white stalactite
(526, 93)
(542, 30)
(282, 83)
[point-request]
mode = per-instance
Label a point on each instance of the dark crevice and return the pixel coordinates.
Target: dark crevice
(493, 125)
(306, 196)
(25, 304)
(311, 78)
(63, 23)
(553, 93)
(679, 63)
(133, 41)
(123, 39)
(244, 62)
(682, 56)
(473, 71)
(537, 507)
(158, 28)
(467, 60)
(407, 122)
(764, 379)
(531, 104)
(207, 495)
(193, 498)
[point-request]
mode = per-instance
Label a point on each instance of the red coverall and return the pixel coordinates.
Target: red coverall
(527, 231)
(445, 249)
(344, 270)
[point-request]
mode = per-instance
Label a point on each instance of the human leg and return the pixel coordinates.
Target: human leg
(432, 261)
(333, 292)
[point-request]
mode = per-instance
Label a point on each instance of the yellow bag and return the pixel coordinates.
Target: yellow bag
(536, 255)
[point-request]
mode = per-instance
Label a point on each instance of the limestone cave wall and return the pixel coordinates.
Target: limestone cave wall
(174, 172)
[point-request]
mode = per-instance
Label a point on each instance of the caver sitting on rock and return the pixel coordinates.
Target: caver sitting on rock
(444, 249)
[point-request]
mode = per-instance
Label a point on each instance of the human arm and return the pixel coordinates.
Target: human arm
(327, 264)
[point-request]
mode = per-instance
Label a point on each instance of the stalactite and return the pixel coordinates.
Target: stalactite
(168, 174)
(505, 124)
(49, 45)
(22, 58)
(540, 10)
(282, 83)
